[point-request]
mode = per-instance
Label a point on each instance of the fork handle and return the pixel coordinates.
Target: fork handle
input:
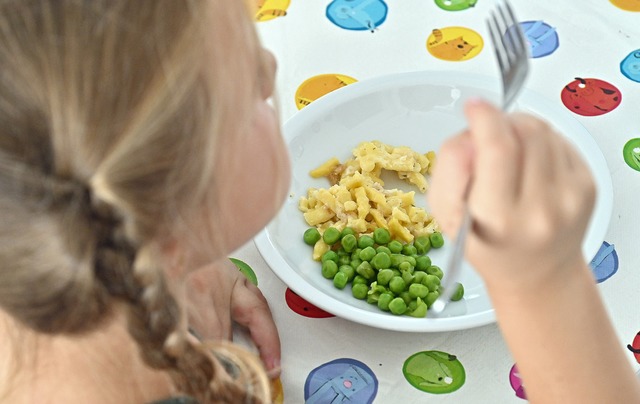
(455, 265)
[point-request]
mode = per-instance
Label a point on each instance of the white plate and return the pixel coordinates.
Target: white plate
(420, 110)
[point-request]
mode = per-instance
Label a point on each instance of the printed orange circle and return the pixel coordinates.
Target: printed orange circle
(317, 86)
(628, 5)
(454, 44)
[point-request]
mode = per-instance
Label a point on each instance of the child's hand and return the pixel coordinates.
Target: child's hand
(218, 295)
(530, 198)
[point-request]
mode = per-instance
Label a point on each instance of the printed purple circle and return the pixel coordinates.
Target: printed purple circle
(341, 380)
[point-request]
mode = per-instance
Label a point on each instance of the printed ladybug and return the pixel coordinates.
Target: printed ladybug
(590, 97)
(635, 347)
(303, 307)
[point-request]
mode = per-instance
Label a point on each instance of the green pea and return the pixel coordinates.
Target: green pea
(381, 261)
(346, 231)
(330, 256)
(422, 244)
(435, 270)
(418, 276)
(419, 309)
(344, 260)
(359, 279)
(407, 277)
(395, 246)
(405, 267)
(348, 270)
(423, 262)
(329, 269)
(365, 270)
(397, 285)
(418, 290)
(410, 260)
(397, 306)
(459, 292)
(384, 300)
(365, 241)
(349, 242)
(356, 253)
(384, 276)
(311, 236)
(432, 282)
(331, 235)
(409, 249)
(367, 253)
(396, 259)
(355, 262)
(431, 297)
(383, 249)
(436, 240)
(359, 290)
(340, 280)
(381, 235)
(406, 296)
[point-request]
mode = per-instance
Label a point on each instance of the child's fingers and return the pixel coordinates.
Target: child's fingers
(450, 180)
(497, 157)
(250, 309)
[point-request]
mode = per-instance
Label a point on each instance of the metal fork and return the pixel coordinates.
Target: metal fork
(512, 55)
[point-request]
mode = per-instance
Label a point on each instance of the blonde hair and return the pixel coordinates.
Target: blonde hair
(111, 115)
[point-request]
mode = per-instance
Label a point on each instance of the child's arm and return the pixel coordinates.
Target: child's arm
(530, 199)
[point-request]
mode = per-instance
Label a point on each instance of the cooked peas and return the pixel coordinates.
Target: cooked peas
(397, 306)
(359, 290)
(395, 246)
(347, 230)
(330, 256)
(367, 253)
(384, 276)
(423, 263)
(381, 235)
(384, 300)
(349, 271)
(409, 249)
(349, 242)
(381, 261)
(396, 277)
(397, 285)
(329, 269)
(418, 290)
(340, 280)
(311, 236)
(435, 270)
(459, 293)
(436, 240)
(422, 245)
(365, 241)
(365, 270)
(331, 235)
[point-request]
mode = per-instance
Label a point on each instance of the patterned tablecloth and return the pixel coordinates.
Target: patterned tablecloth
(585, 57)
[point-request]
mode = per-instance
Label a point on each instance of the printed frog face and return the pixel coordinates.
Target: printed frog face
(631, 153)
(630, 66)
(590, 97)
(303, 307)
(434, 372)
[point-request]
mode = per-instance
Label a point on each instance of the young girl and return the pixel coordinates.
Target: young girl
(136, 146)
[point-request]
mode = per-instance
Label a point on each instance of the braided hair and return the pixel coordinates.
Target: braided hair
(108, 130)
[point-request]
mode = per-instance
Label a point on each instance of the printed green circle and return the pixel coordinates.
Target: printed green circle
(631, 153)
(455, 5)
(246, 270)
(434, 372)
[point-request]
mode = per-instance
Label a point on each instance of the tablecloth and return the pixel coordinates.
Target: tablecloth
(574, 45)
